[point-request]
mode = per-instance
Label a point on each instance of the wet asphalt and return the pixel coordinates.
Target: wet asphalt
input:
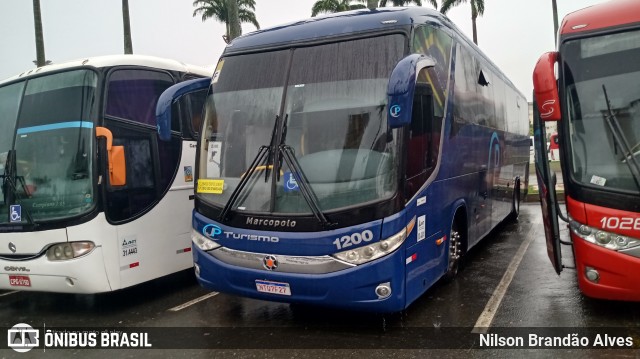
(439, 324)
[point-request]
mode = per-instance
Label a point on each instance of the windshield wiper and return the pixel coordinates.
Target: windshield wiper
(305, 188)
(10, 190)
(267, 152)
(621, 141)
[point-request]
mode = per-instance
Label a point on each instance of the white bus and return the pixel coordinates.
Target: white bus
(91, 201)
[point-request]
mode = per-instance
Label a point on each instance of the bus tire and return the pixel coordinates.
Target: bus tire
(457, 237)
(515, 204)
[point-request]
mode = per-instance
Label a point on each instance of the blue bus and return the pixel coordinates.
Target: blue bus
(351, 160)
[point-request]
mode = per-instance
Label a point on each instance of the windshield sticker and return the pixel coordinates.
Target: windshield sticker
(290, 183)
(210, 186)
(213, 159)
(216, 74)
(16, 213)
(188, 174)
(597, 180)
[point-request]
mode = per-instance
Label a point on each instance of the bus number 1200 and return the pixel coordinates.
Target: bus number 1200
(353, 240)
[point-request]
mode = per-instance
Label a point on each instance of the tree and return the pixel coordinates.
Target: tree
(477, 8)
(235, 29)
(555, 21)
(383, 3)
(128, 45)
(372, 4)
(220, 11)
(331, 6)
(37, 20)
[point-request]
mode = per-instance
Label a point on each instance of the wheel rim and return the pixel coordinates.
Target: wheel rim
(454, 250)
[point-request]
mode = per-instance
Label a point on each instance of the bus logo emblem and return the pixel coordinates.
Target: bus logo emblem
(211, 231)
(12, 247)
(394, 111)
(270, 262)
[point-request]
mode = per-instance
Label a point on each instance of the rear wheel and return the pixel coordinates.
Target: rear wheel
(515, 205)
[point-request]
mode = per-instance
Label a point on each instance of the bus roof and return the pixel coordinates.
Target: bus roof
(117, 60)
(333, 25)
(609, 14)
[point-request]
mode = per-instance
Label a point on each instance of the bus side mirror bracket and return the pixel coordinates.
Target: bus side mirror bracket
(546, 87)
(115, 158)
(401, 88)
(171, 95)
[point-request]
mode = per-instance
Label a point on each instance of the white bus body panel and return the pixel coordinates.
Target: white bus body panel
(154, 245)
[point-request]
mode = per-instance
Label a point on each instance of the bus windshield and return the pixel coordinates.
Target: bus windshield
(46, 147)
(329, 104)
(589, 65)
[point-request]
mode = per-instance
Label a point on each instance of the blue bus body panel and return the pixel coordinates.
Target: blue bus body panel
(320, 289)
(326, 27)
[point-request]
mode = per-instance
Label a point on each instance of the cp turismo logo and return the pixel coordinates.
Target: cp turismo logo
(22, 337)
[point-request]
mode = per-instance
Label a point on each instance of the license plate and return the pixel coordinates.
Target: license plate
(19, 281)
(279, 288)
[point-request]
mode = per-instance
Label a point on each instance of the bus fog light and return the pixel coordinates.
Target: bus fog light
(66, 251)
(383, 290)
(592, 274)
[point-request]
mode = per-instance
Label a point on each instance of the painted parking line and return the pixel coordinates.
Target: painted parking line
(486, 318)
(9, 293)
(192, 302)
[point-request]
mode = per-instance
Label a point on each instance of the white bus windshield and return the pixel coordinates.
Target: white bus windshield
(334, 121)
(48, 125)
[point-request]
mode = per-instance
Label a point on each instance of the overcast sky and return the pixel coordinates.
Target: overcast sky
(513, 33)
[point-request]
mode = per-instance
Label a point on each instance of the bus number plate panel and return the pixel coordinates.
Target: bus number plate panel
(19, 281)
(265, 286)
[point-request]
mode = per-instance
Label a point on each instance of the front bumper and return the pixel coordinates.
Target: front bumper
(84, 274)
(353, 288)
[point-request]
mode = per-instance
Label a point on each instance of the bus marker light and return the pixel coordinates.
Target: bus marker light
(439, 241)
(413, 257)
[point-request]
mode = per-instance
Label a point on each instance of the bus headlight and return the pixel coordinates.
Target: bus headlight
(372, 251)
(66, 251)
(203, 242)
(602, 238)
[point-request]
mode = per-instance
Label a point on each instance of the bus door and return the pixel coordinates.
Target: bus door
(546, 95)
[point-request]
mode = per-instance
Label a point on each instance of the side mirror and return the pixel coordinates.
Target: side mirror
(168, 97)
(402, 87)
(115, 157)
(546, 88)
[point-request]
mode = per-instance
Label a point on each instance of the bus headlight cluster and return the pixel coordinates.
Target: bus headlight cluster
(203, 242)
(602, 238)
(372, 251)
(66, 251)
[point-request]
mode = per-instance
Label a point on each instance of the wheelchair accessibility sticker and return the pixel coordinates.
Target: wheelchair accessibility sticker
(290, 183)
(15, 213)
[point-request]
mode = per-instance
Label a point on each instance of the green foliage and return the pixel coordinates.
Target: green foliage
(218, 10)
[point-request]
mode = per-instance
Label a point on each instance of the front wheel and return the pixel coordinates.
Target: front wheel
(515, 206)
(455, 252)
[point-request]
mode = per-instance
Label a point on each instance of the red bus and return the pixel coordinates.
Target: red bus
(590, 86)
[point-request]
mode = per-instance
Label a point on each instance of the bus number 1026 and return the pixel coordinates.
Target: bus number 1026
(353, 240)
(620, 223)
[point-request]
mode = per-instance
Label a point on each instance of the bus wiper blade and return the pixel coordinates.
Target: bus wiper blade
(621, 141)
(262, 153)
(305, 188)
